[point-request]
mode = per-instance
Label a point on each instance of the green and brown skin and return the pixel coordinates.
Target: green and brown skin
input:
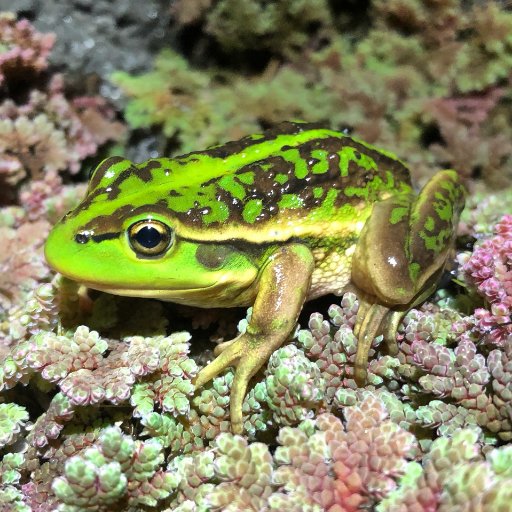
(269, 221)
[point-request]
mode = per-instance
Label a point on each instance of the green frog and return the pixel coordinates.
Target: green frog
(269, 221)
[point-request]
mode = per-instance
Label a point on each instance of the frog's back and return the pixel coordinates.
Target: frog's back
(294, 181)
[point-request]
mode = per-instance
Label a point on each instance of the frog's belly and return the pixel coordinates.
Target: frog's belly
(332, 271)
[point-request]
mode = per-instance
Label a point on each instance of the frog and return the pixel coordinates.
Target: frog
(269, 221)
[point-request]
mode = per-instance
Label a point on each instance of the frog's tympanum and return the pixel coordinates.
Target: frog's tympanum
(269, 221)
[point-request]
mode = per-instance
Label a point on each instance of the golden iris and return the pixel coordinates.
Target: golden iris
(150, 237)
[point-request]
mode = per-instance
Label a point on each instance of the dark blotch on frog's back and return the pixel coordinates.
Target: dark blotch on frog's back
(113, 189)
(144, 170)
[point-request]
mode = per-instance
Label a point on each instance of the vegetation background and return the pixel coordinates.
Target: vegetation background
(97, 409)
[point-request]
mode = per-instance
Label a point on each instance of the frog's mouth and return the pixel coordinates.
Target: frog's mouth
(201, 297)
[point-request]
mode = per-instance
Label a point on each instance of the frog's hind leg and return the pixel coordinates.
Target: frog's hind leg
(399, 257)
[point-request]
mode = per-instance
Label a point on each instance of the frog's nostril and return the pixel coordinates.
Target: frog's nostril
(83, 237)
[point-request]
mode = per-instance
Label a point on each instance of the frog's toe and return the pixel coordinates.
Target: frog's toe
(389, 329)
(244, 372)
(221, 347)
(367, 328)
(228, 357)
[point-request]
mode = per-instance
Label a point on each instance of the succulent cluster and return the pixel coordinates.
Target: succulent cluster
(315, 466)
(115, 469)
(42, 132)
(454, 475)
(488, 271)
(24, 50)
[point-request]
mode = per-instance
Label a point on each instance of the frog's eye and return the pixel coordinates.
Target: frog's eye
(150, 237)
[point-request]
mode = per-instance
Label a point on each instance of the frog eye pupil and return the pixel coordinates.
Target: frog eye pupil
(148, 237)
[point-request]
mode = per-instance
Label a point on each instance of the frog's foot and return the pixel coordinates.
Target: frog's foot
(372, 321)
(248, 354)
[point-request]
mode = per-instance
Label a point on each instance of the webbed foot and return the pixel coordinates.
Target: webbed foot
(248, 354)
(372, 321)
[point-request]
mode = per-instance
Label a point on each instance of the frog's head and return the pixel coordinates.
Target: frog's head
(123, 239)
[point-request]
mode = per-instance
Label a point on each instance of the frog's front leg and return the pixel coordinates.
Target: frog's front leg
(283, 285)
(402, 251)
